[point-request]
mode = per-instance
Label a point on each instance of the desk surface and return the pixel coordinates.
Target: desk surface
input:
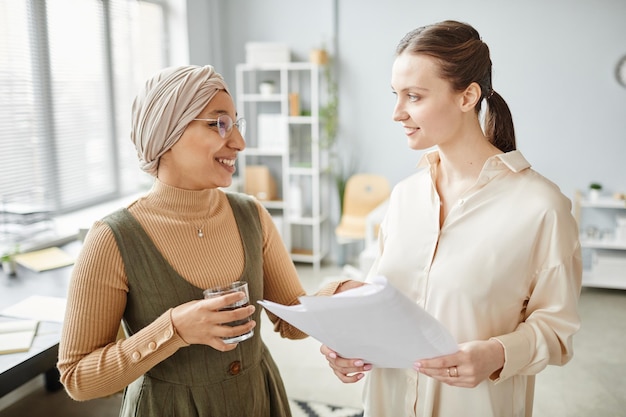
(18, 368)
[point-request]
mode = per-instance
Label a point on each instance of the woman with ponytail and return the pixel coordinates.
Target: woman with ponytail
(476, 237)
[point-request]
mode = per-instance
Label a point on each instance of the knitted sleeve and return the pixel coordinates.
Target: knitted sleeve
(93, 363)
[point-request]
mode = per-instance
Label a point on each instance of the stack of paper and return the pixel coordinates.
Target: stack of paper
(17, 335)
(374, 322)
(37, 307)
(45, 259)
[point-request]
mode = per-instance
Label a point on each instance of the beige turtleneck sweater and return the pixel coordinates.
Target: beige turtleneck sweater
(92, 363)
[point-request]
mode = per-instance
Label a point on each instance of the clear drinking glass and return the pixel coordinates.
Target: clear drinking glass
(237, 286)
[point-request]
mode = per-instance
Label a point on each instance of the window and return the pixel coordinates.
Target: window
(67, 85)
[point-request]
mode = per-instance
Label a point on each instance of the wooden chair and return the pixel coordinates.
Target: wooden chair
(363, 193)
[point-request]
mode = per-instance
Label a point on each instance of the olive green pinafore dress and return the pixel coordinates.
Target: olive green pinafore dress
(197, 380)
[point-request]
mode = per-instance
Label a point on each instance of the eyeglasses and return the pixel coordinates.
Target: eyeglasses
(224, 125)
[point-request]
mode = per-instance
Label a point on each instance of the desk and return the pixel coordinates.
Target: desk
(19, 368)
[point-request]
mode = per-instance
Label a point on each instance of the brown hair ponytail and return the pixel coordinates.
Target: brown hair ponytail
(463, 59)
(499, 123)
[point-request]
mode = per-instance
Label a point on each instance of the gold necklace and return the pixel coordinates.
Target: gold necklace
(200, 232)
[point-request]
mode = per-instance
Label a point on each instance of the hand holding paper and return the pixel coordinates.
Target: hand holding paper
(374, 322)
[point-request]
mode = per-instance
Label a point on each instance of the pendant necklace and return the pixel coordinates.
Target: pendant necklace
(199, 228)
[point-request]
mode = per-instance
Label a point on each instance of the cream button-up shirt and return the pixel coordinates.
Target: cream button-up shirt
(506, 264)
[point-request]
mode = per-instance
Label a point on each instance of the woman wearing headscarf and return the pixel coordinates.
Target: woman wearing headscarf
(146, 265)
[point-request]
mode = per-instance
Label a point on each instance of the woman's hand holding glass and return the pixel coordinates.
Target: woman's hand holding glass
(201, 321)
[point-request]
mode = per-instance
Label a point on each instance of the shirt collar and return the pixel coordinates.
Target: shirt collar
(514, 160)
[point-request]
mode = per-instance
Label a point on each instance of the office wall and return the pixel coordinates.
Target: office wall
(219, 29)
(553, 62)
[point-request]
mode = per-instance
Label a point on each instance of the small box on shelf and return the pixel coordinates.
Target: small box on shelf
(260, 183)
(259, 53)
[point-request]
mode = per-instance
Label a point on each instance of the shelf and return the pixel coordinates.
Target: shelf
(307, 220)
(604, 259)
(301, 120)
(273, 204)
(603, 244)
(589, 280)
(303, 171)
(306, 255)
(286, 140)
(260, 98)
(604, 202)
(294, 66)
(264, 152)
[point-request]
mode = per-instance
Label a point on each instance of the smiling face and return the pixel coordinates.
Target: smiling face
(201, 158)
(426, 106)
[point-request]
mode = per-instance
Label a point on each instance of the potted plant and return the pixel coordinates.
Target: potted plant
(329, 113)
(595, 189)
(330, 122)
(266, 88)
(8, 261)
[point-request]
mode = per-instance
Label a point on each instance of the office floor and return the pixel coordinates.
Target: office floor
(592, 384)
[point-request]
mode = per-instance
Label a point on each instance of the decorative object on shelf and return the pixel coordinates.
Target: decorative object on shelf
(594, 191)
(266, 88)
(607, 235)
(294, 104)
(295, 200)
(620, 71)
(260, 183)
(592, 232)
(620, 231)
(318, 56)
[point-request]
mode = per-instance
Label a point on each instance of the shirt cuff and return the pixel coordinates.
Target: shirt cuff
(330, 288)
(516, 355)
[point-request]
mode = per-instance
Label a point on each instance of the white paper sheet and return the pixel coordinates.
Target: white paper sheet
(374, 322)
(38, 307)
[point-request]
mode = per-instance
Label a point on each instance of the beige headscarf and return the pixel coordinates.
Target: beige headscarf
(163, 109)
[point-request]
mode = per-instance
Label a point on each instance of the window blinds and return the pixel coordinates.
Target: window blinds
(70, 69)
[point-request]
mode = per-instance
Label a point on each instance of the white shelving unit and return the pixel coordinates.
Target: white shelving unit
(283, 134)
(602, 241)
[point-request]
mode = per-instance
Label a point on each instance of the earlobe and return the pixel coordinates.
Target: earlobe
(471, 96)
